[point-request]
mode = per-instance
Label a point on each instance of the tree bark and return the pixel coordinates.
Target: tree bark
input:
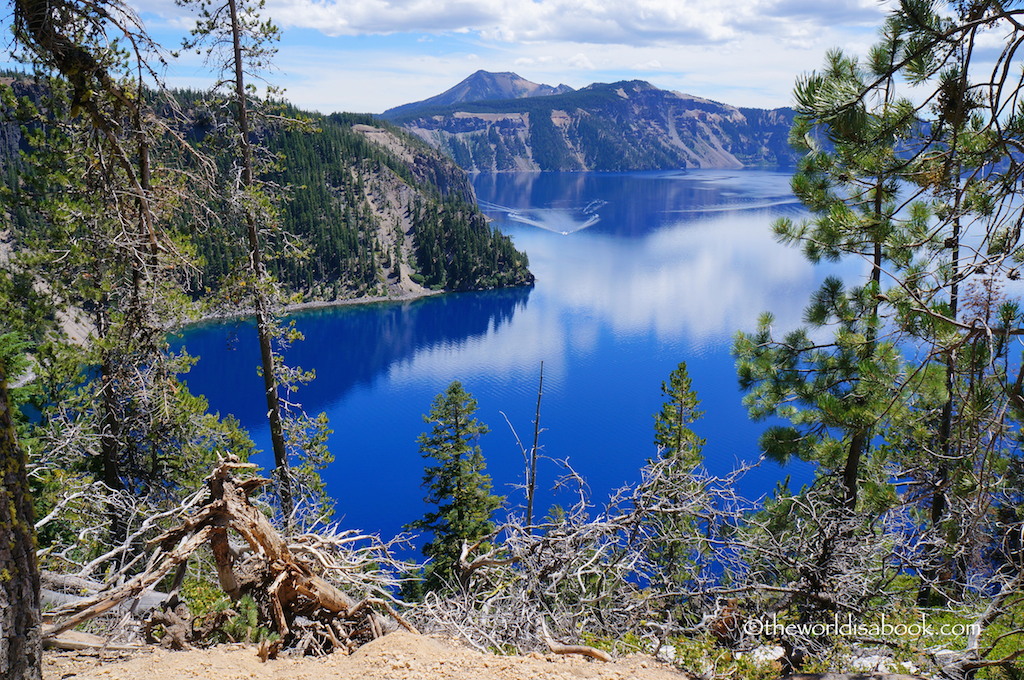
(263, 320)
(20, 620)
(851, 472)
(531, 482)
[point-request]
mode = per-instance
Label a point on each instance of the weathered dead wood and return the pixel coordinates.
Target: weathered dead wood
(365, 604)
(60, 590)
(291, 576)
(466, 567)
(583, 650)
(284, 582)
(92, 607)
(176, 625)
(222, 557)
(66, 582)
(275, 600)
(75, 640)
(268, 649)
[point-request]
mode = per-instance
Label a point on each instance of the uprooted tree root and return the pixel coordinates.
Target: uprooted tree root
(307, 613)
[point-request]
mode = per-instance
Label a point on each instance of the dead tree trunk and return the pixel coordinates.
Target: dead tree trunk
(305, 609)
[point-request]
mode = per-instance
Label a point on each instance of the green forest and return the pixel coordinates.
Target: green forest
(327, 244)
(131, 513)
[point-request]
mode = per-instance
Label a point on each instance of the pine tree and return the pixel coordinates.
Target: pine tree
(839, 394)
(20, 620)
(960, 167)
(104, 237)
(672, 433)
(456, 484)
(925, 192)
(671, 548)
(234, 32)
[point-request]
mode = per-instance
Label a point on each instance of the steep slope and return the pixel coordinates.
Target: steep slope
(481, 86)
(375, 211)
(382, 214)
(629, 125)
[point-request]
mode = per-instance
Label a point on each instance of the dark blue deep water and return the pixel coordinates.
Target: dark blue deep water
(635, 273)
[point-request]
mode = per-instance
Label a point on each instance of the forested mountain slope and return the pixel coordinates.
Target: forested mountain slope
(369, 209)
(629, 125)
(381, 214)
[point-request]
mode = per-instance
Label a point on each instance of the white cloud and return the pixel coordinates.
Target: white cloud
(652, 65)
(390, 52)
(581, 61)
(642, 22)
(613, 22)
(344, 77)
(384, 16)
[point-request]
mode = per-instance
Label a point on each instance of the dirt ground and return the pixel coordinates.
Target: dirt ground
(398, 656)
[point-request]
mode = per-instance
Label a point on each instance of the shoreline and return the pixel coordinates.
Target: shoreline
(296, 307)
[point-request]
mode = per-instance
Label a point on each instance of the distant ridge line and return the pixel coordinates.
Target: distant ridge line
(480, 86)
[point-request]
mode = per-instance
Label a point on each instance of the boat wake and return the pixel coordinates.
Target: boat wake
(563, 221)
(739, 207)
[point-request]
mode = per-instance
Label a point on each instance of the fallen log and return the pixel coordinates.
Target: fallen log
(91, 607)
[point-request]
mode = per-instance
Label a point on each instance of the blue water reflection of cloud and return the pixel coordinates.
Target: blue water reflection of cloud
(616, 306)
(697, 281)
(702, 274)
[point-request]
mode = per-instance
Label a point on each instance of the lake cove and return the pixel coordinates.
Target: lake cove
(635, 273)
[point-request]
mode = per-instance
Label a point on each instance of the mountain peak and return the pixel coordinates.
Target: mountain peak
(481, 86)
(622, 126)
(483, 73)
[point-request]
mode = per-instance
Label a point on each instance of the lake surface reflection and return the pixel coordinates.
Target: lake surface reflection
(635, 273)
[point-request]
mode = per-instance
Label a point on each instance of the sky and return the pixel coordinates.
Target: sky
(370, 55)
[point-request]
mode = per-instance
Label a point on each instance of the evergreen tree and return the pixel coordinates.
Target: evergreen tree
(102, 242)
(961, 166)
(672, 547)
(927, 192)
(838, 394)
(20, 620)
(456, 484)
(672, 433)
(235, 33)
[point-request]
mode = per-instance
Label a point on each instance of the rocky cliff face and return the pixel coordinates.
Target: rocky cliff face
(383, 214)
(422, 243)
(628, 125)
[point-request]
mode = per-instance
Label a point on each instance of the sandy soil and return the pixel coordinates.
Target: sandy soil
(398, 656)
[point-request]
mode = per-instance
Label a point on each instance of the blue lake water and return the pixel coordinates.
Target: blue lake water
(635, 273)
